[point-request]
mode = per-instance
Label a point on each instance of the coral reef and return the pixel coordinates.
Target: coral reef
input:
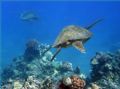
(17, 85)
(72, 82)
(66, 66)
(94, 86)
(33, 83)
(77, 83)
(106, 70)
(32, 70)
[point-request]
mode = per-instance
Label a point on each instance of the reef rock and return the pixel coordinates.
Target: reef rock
(17, 85)
(33, 70)
(72, 82)
(106, 70)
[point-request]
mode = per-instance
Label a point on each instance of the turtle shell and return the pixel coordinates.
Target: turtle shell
(72, 33)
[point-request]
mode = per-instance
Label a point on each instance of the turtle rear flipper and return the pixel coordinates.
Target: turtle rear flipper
(79, 45)
(58, 50)
(46, 51)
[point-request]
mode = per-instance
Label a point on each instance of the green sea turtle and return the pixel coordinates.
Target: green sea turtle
(28, 16)
(72, 36)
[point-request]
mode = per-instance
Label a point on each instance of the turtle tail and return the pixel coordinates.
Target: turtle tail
(94, 23)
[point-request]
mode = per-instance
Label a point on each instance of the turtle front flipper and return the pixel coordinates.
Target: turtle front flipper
(79, 45)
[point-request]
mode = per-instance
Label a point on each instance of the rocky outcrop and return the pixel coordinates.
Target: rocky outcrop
(106, 69)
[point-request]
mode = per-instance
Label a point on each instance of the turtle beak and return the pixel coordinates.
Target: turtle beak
(58, 50)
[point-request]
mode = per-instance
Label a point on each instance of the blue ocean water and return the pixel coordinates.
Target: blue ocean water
(53, 16)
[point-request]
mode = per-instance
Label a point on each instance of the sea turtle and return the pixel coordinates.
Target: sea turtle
(28, 16)
(72, 35)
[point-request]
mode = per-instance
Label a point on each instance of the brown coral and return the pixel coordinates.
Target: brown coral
(77, 83)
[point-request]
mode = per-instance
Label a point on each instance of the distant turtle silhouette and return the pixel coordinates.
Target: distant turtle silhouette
(72, 36)
(29, 16)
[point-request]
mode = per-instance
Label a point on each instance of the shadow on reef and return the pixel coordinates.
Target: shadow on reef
(32, 70)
